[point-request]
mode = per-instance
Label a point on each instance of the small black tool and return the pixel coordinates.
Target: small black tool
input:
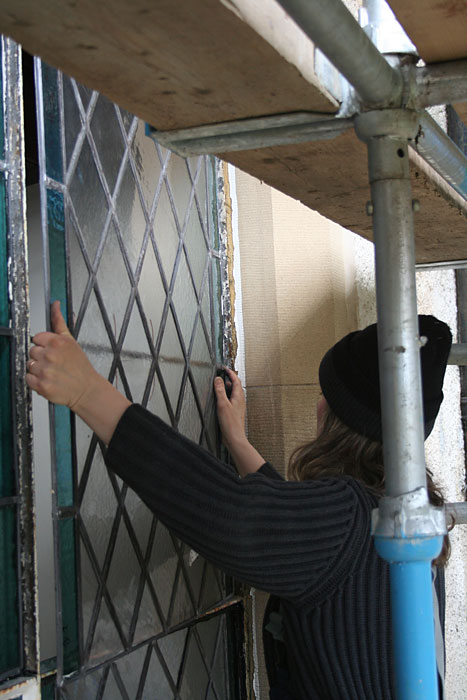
(220, 372)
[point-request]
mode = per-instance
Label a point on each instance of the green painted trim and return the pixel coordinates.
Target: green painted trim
(4, 304)
(48, 688)
(58, 287)
(57, 248)
(68, 576)
(10, 656)
(7, 476)
(48, 666)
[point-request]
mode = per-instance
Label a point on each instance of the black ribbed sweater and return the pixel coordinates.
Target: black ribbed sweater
(307, 542)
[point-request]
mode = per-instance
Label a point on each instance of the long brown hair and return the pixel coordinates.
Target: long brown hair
(338, 451)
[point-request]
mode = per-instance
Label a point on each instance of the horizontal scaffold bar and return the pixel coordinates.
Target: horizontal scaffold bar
(458, 511)
(246, 134)
(458, 354)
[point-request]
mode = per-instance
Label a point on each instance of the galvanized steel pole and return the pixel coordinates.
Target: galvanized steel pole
(408, 530)
(399, 345)
(439, 84)
(331, 26)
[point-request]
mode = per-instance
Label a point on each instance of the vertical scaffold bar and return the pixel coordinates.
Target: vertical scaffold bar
(408, 534)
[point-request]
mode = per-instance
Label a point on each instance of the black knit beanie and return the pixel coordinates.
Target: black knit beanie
(349, 378)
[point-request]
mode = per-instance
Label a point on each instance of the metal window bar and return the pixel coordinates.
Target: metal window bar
(15, 335)
(202, 327)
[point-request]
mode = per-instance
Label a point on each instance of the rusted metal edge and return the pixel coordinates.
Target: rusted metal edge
(19, 300)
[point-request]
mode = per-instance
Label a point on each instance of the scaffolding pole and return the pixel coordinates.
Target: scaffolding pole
(408, 530)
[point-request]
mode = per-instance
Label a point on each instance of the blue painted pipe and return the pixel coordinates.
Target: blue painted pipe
(412, 613)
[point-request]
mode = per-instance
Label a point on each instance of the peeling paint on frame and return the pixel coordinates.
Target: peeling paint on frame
(224, 215)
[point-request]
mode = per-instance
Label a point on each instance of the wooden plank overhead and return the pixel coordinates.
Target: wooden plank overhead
(182, 64)
(438, 28)
(174, 64)
(332, 177)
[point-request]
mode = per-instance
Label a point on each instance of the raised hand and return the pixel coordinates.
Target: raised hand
(60, 372)
(231, 411)
(59, 369)
(231, 414)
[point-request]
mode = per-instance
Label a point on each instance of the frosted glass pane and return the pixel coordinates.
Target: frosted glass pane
(106, 640)
(83, 435)
(79, 273)
(89, 200)
(148, 624)
(180, 186)
(141, 518)
(127, 118)
(163, 567)
(212, 591)
(94, 339)
(89, 587)
(197, 166)
(171, 361)
(184, 301)
(151, 291)
(114, 283)
(183, 607)
(98, 507)
(124, 577)
(208, 632)
(108, 139)
(147, 164)
(159, 224)
(156, 679)
(166, 233)
(112, 691)
(130, 668)
(73, 123)
(195, 244)
(195, 677)
(131, 216)
(84, 688)
(136, 356)
(190, 422)
(85, 94)
(201, 364)
(172, 647)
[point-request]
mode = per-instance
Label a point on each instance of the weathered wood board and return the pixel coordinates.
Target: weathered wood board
(438, 28)
(181, 64)
(174, 64)
(332, 177)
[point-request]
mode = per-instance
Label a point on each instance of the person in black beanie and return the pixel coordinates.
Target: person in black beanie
(349, 376)
(306, 541)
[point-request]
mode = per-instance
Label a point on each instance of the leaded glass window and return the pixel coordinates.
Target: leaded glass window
(133, 255)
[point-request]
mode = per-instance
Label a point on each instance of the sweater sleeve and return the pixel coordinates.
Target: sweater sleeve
(279, 536)
(268, 470)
